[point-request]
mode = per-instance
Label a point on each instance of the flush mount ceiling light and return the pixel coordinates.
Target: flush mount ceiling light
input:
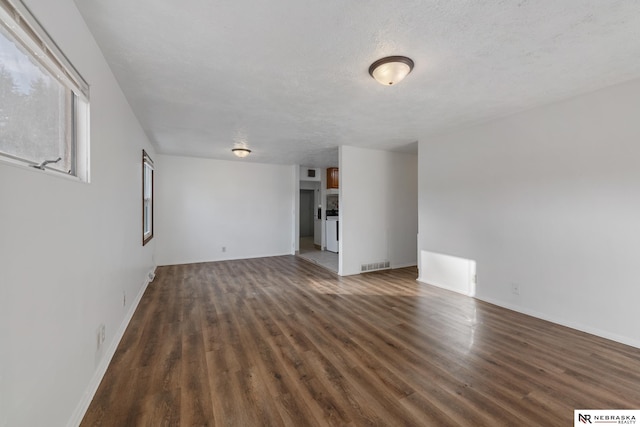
(241, 152)
(390, 70)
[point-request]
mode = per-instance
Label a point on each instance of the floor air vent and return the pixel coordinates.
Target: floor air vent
(375, 266)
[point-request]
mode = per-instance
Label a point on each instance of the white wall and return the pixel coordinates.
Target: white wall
(304, 174)
(204, 205)
(378, 208)
(70, 250)
(448, 272)
(548, 200)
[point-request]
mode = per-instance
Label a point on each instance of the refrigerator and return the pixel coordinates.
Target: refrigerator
(332, 230)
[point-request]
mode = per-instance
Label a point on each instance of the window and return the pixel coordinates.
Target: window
(44, 102)
(147, 198)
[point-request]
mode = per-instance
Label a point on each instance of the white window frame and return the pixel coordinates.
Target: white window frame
(26, 29)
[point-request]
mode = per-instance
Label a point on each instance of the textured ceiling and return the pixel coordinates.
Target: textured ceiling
(289, 78)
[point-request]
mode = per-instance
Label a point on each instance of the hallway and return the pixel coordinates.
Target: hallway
(309, 252)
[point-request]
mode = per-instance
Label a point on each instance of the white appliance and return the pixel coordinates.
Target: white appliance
(332, 229)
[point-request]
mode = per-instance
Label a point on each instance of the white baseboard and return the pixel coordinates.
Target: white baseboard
(404, 264)
(83, 405)
(563, 322)
(448, 288)
(230, 258)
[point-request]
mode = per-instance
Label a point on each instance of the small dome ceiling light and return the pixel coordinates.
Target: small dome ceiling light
(390, 70)
(241, 152)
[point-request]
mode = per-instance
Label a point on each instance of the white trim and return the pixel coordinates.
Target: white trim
(87, 397)
(39, 47)
(404, 264)
(83, 139)
(446, 271)
(20, 21)
(448, 288)
(9, 161)
(563, 322)
(538, 315)
(204, 261)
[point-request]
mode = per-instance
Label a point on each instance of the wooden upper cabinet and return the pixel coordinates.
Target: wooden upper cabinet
(333, 178)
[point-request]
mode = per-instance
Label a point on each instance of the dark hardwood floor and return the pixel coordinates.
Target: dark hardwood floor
(280, 341)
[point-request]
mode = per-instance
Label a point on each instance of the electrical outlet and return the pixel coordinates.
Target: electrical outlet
(102, 333)
(124, 298)
(515, 289)
(224, 249)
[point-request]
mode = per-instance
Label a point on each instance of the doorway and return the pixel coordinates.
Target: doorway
(310, 236)
(307, 203)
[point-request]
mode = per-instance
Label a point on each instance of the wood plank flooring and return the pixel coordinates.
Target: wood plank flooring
(282, 342)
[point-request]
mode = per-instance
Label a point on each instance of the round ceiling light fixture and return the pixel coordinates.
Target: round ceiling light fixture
(241, 152)
(390, 70)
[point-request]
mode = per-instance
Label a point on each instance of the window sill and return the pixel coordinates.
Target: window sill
(24, 166)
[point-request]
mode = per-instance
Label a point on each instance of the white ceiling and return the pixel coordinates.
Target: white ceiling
(289, 78)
